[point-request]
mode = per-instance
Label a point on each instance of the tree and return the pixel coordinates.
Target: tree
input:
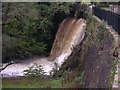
(29, 28)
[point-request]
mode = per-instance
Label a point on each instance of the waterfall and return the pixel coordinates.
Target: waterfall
(70, 33)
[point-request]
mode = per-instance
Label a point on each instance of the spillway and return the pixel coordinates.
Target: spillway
(70, 33)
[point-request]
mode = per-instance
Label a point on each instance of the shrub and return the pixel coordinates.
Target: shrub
(80, 78)
(34, 71)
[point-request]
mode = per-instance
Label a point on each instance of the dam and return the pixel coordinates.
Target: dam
(70, 33)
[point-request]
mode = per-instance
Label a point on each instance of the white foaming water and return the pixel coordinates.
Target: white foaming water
(18, 68)
(61, 58)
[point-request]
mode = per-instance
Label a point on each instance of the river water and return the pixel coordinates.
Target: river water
(18, 68)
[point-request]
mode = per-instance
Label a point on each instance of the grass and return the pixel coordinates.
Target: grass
(17, 86)
(24, 82)
(106, 8)
(34, 83)
(31, 83)
(56, 83)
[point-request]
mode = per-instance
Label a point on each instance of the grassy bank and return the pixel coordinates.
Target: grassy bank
(24, 82)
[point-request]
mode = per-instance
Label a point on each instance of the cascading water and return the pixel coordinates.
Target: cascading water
(70, 33)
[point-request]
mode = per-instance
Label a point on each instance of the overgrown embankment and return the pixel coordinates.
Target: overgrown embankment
(93, 62)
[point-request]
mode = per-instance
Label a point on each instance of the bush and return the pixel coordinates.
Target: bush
(80, 78)
(34, 71)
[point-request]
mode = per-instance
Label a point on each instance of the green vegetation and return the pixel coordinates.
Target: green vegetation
(56, 83)
(46, 82)
(106, 8)
(33, 83)
(113, 70)
(34, 71)
(25, 82)
(80, 79)
(29, 28)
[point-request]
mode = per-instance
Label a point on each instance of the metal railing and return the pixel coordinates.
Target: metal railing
(113, 19)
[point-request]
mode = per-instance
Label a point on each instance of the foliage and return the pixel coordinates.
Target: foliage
(34, 71)
(102, 31)
(56, 83)
(80, 78)
(23, 82)
(29, 28)
(82, 12)
(114, 70)
(55, 70)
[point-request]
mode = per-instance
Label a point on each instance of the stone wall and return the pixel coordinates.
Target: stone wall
(102, 59)
(96, 57)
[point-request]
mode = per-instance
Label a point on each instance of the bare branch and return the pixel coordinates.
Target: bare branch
(10, 63)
